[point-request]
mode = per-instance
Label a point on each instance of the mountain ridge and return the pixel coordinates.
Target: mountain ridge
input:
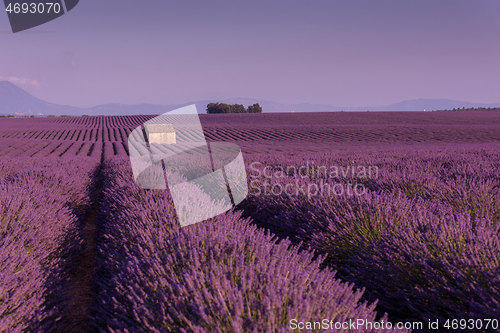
(16, 101)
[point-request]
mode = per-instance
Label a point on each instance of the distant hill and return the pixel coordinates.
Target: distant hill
(16, 101)
(410, 105)
(127, 109)
(427, 104)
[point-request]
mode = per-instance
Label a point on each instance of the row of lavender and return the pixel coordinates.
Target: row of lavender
(45, 148)
(76, 134)
(40, 203)
(222, 275)
(67, 136)
(420, 230)
(90, 121)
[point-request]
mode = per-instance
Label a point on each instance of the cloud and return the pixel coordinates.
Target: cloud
(21, 80)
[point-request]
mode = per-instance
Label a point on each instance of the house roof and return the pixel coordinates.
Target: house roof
(159, 128)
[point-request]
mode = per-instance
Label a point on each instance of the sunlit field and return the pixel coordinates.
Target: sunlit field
(365, 217)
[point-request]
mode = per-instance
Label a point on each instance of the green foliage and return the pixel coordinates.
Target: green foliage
(238, 108)
(256, 108)
(234, 108)
(496, 108)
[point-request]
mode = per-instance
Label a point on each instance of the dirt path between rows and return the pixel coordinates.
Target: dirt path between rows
(81, 277)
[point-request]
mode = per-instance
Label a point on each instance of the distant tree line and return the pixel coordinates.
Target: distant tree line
(12, 116)
(234, 108)
(474, 109)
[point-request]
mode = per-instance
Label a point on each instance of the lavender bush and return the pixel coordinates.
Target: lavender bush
(222, 275)
(429, 224)
(39, 203)
(423, 239)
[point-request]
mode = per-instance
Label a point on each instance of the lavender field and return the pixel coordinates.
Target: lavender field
(368, 218)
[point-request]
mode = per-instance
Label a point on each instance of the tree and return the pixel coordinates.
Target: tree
(256, 108)
(218, 108)
(238, 108)
(213, 108)
(234, 108)
(225, 108)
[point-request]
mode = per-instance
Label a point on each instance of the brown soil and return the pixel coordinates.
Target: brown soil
(80, 280)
